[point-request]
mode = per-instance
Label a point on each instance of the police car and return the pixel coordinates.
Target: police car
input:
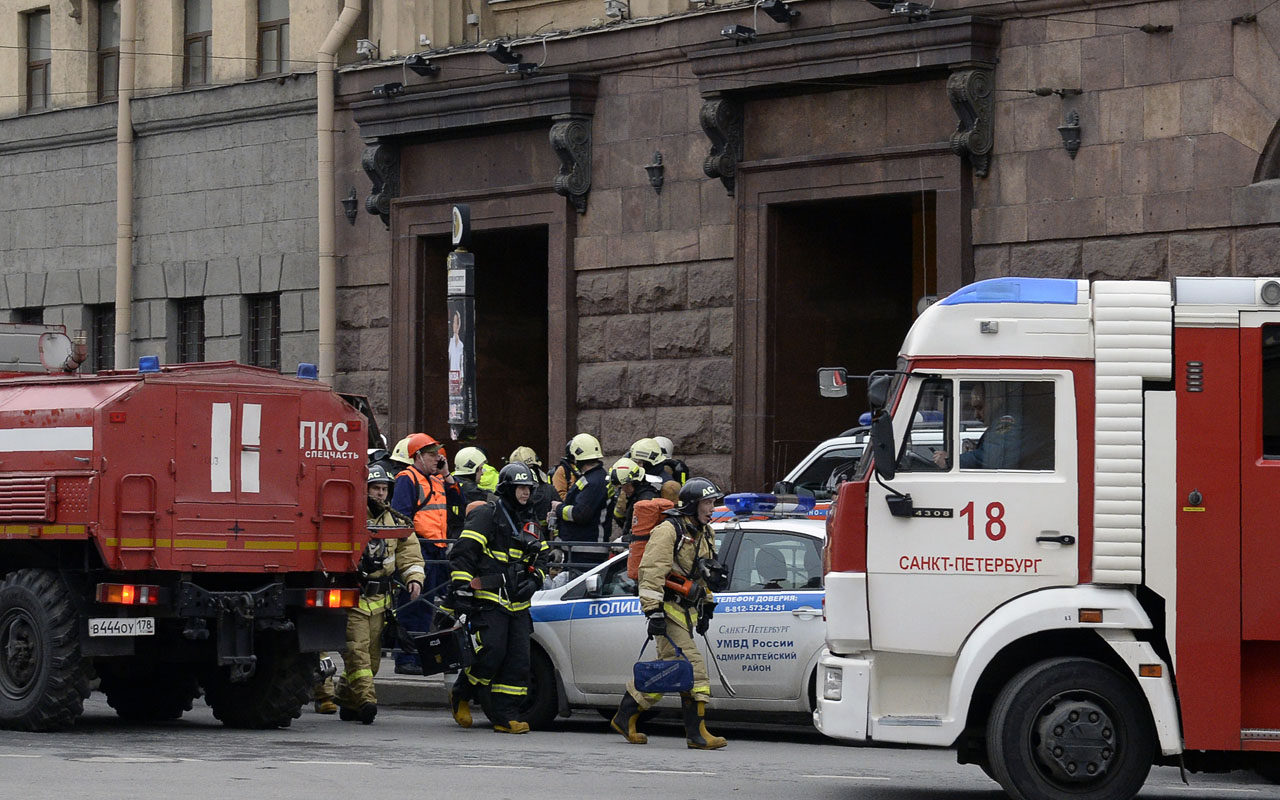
(766, 633)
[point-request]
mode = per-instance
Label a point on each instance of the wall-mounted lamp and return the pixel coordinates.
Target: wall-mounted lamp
(914, 12)
(390, 89)
(350, 206)
(1149, 28)
(779, 11)
(739, 33)
(502, 53)
(366, 48)
(655, 171)
(421, 65)
(1069, 130)
(617, 9)
(1045, 91)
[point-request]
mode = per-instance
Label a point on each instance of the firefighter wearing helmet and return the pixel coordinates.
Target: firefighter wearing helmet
(681, 552)
(670, 468)
(497, 565)
(466, 468)
(426, 493)
(383, 559)
(581, 515)
(630, 483)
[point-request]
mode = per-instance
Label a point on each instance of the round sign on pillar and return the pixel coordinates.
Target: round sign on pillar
(462, 226)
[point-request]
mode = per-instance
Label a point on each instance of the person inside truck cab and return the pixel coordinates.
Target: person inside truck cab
(1018, 416)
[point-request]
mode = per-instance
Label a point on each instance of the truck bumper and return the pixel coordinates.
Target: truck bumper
(844, 694)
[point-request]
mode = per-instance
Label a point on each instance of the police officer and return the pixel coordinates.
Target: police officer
(382, 559)
(632, 487)
(581, 515)
(671, 468)
(465, 468)
(681, 551)
(497, 565)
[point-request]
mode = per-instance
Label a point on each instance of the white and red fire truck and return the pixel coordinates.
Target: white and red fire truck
(1093, 588)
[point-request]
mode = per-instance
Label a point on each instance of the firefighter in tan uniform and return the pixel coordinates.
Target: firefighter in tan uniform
(382, 560)
(676, 598)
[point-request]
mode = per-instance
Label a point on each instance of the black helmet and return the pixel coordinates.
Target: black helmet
(378, 474)
(513, 475)
(694, 492)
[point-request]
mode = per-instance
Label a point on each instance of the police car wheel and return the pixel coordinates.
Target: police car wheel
(542, 704)
(1070, 727)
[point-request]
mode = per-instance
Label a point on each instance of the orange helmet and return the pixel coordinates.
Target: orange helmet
(417, 441)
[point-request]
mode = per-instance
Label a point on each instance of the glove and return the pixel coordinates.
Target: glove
(657, 623)
(704, 617)
(525, 587)
(464, 599)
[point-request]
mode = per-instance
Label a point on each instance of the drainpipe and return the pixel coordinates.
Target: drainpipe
(326, 61)
(124, 185)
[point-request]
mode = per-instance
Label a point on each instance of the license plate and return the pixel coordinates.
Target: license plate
(123, 626)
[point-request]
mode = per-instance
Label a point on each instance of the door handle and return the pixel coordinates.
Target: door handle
(1063, 539)
(803, 611)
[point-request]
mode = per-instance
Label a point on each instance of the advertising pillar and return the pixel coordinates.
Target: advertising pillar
(463, 418)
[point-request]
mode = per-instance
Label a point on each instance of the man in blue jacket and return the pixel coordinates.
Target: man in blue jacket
(581, 516)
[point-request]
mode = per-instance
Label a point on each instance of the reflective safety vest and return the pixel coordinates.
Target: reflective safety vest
(430, 506)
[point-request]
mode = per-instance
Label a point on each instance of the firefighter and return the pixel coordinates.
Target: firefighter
(671, 468)
(648, 454)
(544, 494)
(497, 565)
(426, 493)
(465, 468)
(580, 516)
(566, 472)
(382, 559)
(632, 487)
(681, 551)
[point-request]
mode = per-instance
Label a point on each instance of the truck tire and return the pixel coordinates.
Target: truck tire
(542, 705)
(1070, 728)
(43, 679)
(273, 697)
(148, 695)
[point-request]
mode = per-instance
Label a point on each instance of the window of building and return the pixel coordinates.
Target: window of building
(102, 336)
(264, 330)
(273, 36)
(38, 60)
(29, 316)
(190, 331)
(198, 33)
(108, 49)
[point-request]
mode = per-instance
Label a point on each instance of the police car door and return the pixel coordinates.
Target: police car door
(990, 520)
(606, 631)
(768, 622)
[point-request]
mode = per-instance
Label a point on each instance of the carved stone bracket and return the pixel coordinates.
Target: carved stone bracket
(721, 119)
(381, 162)
(970, 92)
(571, 140)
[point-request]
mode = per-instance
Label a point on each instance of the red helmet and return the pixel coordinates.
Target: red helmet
(417, 441)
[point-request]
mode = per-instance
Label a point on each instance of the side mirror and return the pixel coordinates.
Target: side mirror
(882, 447)
(593, 585)
(878, 392)
(784, 487)
(833, 382)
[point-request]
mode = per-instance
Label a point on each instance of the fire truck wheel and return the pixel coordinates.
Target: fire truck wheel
(43, 679)
(1070, 727)
(273, 697)
(140, 693)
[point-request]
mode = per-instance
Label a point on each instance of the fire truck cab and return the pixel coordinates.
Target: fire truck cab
(1088, 589)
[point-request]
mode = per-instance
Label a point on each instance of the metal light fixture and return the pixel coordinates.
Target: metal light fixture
(655, 171)
(739, 33)
(1069, 130)
(366, 48)
(779, 11)
(914, 12)
(421, 65)
(501, 52)
(617, 9)
(350, 206)
(390, 89)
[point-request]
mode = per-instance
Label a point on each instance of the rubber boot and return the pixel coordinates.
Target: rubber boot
(367, 713)
(326, 706)
(514, 726)
(460, 704)
(695, 725)
(624, 722)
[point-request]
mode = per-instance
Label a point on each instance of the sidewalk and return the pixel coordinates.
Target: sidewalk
(405, 691)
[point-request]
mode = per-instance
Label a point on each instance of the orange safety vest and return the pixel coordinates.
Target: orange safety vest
(431, 512)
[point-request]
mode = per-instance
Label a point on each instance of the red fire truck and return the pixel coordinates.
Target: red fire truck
(1092, 587)
(168, 530)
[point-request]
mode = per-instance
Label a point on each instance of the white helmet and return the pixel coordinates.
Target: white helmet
(468, 460)
(585, 447)
(400, 453)
(646, 451)
(625, 471)
(668, 447)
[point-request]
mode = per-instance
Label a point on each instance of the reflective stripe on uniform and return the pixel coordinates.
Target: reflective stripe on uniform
(358, 674)
(377, 602)
(473, 679)
(503, 688)
(460, 575)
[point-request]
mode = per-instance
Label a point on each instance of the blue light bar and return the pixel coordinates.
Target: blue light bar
(747, 503)
(308, 372)
(936, 417)
(149, 364)
(1017, 290)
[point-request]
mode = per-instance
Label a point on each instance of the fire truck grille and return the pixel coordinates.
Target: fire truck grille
(28, 499)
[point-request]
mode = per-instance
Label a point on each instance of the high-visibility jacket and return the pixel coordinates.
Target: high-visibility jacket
(426, 499)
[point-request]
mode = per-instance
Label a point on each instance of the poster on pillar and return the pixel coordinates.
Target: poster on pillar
(463, 417)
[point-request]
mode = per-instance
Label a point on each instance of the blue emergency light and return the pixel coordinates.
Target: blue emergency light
(936, 417)
(308, 372)
(149, 364)
(747, 503)
(1061, 291)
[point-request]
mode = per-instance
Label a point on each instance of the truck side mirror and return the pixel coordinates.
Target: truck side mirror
(833, 382)
(882, 447)
(878, 392)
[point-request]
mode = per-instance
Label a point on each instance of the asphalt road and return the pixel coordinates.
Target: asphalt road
(420, 753)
